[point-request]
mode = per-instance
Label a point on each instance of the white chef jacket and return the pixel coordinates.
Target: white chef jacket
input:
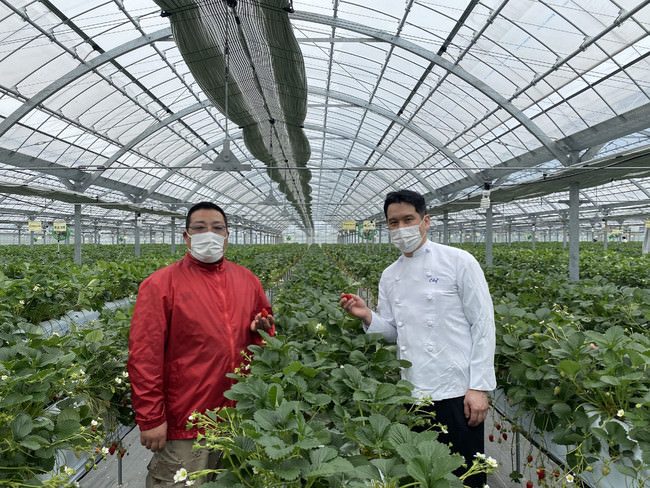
(436, 305)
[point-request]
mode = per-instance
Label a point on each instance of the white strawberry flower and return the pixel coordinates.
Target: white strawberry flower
(181, 475)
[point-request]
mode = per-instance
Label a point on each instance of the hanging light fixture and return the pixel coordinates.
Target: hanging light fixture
(485, 196)
(226, 160)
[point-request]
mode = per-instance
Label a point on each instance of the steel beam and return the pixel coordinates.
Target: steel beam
(552, 146)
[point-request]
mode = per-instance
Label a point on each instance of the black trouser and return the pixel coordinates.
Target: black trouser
(464, 440)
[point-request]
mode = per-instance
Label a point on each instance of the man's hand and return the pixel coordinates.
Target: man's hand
(476, 406)
(354, 305)
(262, 322)
(154, 439)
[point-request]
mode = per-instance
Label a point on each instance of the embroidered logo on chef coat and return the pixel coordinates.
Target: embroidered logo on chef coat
(430, 277)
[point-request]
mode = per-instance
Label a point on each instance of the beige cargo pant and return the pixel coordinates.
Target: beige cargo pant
(179, 454)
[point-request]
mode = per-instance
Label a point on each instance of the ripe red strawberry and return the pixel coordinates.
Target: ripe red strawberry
(497, 426)
(540, 473)
(556, 473)
(111, 450)
(121, 452)
(265, 313)
(491, 438)
(530, 458)
(505, 436)
(347, 296)
(529, 484)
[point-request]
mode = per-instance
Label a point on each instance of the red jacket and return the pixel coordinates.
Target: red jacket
(190, 323)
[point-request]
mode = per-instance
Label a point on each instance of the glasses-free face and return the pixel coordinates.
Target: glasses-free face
(403, 214)
(217, 229)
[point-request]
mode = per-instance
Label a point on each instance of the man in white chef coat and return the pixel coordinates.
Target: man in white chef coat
(435, 303)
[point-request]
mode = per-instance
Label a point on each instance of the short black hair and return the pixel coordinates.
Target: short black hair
(202, 205)
(406, 196)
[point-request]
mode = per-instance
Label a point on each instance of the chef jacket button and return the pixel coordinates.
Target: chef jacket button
(430, 348)
(429, 296)
(400, 324)
(429, 323)
(429, 273)
(397, 278)
(427, 250)
(397, 301)
(402, 348)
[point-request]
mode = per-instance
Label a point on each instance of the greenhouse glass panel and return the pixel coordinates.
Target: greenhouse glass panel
(381, 16)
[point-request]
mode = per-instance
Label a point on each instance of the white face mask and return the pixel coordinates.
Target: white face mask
(207, 247)
(406, 239)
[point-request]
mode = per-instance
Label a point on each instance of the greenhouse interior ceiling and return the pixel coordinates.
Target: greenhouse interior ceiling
(297, 116)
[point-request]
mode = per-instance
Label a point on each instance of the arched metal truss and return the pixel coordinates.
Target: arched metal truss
(367, 140)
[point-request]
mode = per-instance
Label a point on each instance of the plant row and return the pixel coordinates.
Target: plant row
(60, 393)
(571, 356)
(323, 404)
(37, 286)
(70, 392)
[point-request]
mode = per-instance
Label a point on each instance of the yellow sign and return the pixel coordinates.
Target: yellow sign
(34, 226)
(368, 225)
(349, 225)
(60, 226)
(647, 224)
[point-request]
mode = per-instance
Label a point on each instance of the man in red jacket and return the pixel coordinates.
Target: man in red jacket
(191, 321)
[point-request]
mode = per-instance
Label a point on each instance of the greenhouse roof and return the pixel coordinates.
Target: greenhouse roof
(115, 105)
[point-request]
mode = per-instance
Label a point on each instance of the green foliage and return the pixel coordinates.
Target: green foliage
(324, 406)
(37, 285)
(571, 356)
(70, 392)
(59, 393)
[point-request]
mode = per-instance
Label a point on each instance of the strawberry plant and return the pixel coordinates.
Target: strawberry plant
(571, 356)
(324, 409)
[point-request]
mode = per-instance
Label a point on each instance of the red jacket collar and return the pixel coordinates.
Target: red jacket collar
(212, 267)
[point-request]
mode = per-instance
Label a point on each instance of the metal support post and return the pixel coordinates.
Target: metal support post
(77, 233)
(173, 236)
(574, 232)
(488, 235)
